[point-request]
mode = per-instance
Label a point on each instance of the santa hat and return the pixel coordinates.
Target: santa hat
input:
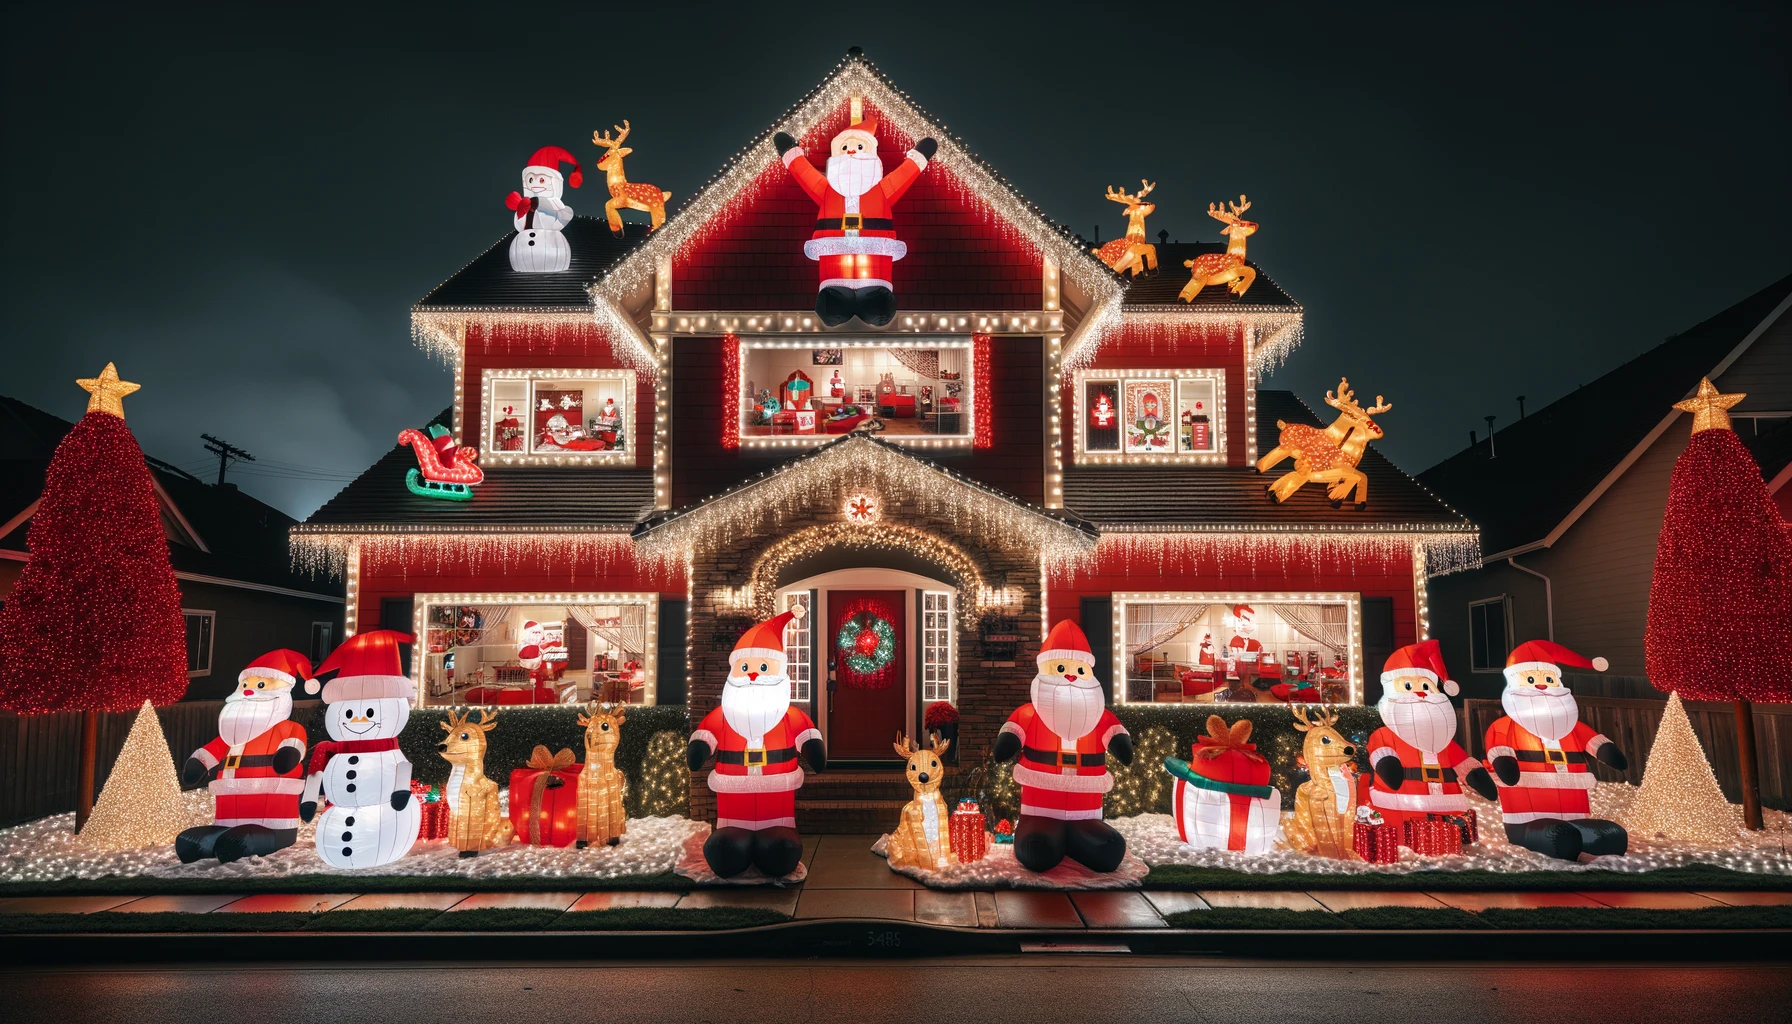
(365, 667)
(287, 666)
(1241, 610)
(765, 640)
(549, 158)
(1066, 642)
(864, 130)
(1539, 655)
(1424, 659)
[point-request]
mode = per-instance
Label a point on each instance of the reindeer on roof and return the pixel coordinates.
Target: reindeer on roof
(1227, 268)
(1131, 253)
(624, 194)
(1329, 455)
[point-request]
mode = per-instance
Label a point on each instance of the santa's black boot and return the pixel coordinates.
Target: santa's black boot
(1551, 837)
(835, 305)
(729, 851)
(777, 851)
(1095, 845)
(1039, 843)
(876, 305)
(1601, 838)
(252, 841)
(197, 843)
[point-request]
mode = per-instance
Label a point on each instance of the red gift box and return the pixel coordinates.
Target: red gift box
(433, 824)
(1432, 836)
(1377, 842)
(966, 833)
(1464, 822)
(545, 815)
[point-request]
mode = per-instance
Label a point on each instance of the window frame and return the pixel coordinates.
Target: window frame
(208, 633)
(1079, 389)
(967, 406)
(423, 602)
(948, 647)
(798, 647)
(329, 630)
(1122, 600)
(1505, 603)
(531, 376)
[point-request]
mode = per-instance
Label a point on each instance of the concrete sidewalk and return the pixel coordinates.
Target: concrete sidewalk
(847, 880)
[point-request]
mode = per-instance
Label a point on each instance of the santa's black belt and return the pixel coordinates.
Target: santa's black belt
(854, 222)
(246, 761)
(1552, 756)
(1432, 773)
(1060, 759)
(758, 757)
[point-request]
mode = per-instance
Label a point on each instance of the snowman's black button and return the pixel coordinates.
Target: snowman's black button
(531, 241)
(350, 773)
(348, 851)
(350, 820)
(350, 787)
(354, 759)
(346, 836)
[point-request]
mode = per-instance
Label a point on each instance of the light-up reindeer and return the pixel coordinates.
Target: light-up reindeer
(923, 839)
(1131, 254)
(1328, 455)
(626, 195)
(601, 818)
(1227, 268)
(474, 821)
(1325, 805)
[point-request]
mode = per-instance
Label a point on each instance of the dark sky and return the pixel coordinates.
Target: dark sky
(239, 207)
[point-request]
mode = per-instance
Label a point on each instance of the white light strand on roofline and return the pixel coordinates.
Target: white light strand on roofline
(539, 331)
(756, 167)
(322, 553)
(790, 494)
(1279, 332)
(1246, 550)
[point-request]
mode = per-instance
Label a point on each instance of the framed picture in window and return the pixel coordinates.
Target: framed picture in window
(826, 357)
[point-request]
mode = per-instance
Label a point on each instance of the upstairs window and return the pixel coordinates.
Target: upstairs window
(1151, 416)
(1489, 639)
(557, 417)
(795, 394)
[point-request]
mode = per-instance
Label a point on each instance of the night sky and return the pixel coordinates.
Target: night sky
(239, 207)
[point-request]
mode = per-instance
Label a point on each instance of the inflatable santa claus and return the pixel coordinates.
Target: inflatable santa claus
(253, 765)
(855, 236)
(1064, 737)
(1419, 767)
(1542, 755)
(755, 735)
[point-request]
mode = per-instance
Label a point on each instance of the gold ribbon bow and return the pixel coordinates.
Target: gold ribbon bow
(1220, 739)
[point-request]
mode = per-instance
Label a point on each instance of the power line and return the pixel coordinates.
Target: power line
(225, 451)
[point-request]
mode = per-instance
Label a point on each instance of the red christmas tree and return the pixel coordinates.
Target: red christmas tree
(1720, 604)
(93, 623)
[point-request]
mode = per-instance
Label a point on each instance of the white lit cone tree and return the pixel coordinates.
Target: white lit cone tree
(1680, 797)
(142, 803)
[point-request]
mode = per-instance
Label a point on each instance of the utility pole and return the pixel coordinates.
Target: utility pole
(225, 451)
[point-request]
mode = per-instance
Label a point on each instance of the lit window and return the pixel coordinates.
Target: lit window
(504, 649)
(798, 660)
(554, 416)
(1238, 648)
(200, 626)
(796, 396)
(1151, 415)
(937, 635)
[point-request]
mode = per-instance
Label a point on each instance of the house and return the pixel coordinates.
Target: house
(240, 593)
(1570, 498)
(674, 446)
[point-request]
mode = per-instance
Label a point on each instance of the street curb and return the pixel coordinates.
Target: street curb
(850, 937)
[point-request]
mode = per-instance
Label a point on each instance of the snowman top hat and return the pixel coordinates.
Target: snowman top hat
(366, 667)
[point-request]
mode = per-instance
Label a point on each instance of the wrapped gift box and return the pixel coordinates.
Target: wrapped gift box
(1223, 797)
(433, 824)
(1431, 836)
(1464, 822)
(966, 833)
(1377, 842)
(542, 814)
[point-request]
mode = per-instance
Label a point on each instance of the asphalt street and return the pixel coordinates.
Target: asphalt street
(1033, 988)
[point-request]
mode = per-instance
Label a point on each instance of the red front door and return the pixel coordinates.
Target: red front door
(865, 710)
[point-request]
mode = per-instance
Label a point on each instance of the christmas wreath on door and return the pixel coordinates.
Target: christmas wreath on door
(867, 643)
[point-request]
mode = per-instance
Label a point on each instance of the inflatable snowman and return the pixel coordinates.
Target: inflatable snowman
(539, 247)
(371, 818)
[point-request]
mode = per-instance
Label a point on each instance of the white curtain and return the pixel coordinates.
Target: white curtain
(1326, 624)
(923, 362)
(1150, 626)
(626, 629)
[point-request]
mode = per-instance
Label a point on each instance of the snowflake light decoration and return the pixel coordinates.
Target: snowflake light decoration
(861, 510)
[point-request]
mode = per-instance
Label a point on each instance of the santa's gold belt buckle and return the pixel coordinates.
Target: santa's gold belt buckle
(1433, 773)
(754, 758)
(852, 222)
(232, 761)
(1556, 756)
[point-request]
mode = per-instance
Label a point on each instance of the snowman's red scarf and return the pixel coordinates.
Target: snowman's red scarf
(321, 754)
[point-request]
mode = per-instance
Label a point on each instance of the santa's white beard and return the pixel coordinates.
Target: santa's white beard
(1067, 709)
(1550, 716)
(243, 718)
(854, 175)
(753, 708)
(1426, 723)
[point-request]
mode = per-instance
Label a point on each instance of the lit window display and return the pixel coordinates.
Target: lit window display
(1151, 415)
(1238, 648)
(503, 649)
(585, 416)
(804, 395)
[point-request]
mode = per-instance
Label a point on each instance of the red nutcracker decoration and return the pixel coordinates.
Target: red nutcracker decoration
(1101, 414)
(1542, 752)
(755, 735)
(256, 758)
(854, 238)
(1063, 737)
(1419, 767)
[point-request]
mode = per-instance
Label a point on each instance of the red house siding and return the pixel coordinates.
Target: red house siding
(564, 347)
(1138, 347)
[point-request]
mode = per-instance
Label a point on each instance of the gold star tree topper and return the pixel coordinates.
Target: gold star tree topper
(106, 392)
(1709, 407)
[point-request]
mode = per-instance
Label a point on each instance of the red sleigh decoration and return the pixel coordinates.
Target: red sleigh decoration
(434, 478)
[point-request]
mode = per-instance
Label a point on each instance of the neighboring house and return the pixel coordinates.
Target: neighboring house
(238, 588)
(1570, 498)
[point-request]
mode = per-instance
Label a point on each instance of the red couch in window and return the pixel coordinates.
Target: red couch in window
(844, 426)
(510, 695)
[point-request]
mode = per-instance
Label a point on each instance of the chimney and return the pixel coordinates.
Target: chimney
(1490, 452)
(1472, 439)
(1098, 234)
(1163, 238)
(1521, 407)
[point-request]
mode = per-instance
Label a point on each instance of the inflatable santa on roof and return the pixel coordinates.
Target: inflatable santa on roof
(1542, 754)
(1064, 736)
(755, 735)
(1419, 767)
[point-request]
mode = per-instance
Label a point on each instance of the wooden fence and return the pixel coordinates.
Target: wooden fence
(40, 754)
(1630, 722)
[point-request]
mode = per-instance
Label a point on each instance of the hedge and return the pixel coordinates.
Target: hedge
(521, 729)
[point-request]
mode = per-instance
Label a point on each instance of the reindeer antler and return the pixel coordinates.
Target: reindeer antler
(1218, 210)
(1119, 195)
(606, 142)
(1242, 205)
(1380, 406)
(1345, 398)
(1146, 188)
